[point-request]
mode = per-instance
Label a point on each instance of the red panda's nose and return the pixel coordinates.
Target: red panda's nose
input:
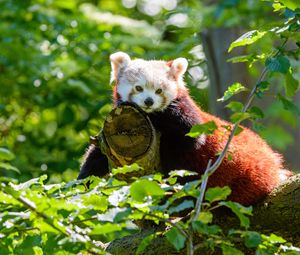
(149, 101)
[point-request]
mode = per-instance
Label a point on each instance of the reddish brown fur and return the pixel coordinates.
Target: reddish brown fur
(253, 170)
(116, 95)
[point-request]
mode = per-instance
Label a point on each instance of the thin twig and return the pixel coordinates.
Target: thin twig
(19, 230)
(47, 219)
(68, 231)
(190, 246)
(202, 191)
(251, 96)
(199, 246)
(211, 169)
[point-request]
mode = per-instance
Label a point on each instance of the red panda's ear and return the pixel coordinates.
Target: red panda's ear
(118, 60)
(178, 67)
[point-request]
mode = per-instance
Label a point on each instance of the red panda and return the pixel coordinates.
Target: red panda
(253, 169)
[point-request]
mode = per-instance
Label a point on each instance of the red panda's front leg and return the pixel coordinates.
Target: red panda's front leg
(178, 151)
(95, 163)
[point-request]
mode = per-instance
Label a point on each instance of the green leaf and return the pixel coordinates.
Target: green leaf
(66, 4)
(42, 179)
(217, 194)
(239, 117)
(126, 169)
(181, 173)
(229, 129)
(28, 245)
(261, 87)
(291, 4)
(277, 7)
(5, 154)
(229, 250)
(182, 206)
(256, 112)
(205, 217)
(172, 180)
(252, 239)
(175, 237)
(102, 229)
(206, 128)
(238, 130)
(241, 58)
(29, 183)
(291, 85)
(8, 199)
(9, 167)
(273, 238)
(239, 211)
(79, 86)
(144, 188)
(121, 213)
(144, 243)
(294, 26)
(246, 39)
(203, 228)
(5, 250)
(235, 106)
(68, 116)
(279, 64)
(191, 188)
(289, 105)
(96, 201)
(232, 90)
(37, 250)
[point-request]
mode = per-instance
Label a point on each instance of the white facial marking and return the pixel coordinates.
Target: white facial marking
(124, 91)
(141, 98)
(157, 81)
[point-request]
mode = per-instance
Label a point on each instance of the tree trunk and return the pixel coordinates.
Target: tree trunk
(222, 73)
(279, 213)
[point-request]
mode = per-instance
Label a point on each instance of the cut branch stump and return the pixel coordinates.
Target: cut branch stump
(128, 137)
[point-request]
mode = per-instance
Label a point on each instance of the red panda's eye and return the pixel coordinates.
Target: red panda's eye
(158, 91)
(139, 88)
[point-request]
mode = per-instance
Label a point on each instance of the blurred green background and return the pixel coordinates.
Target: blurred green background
(55, 71)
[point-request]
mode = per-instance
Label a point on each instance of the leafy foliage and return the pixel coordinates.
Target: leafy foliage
(54, 73)
(280, 66)
(206, 128)
(232, 90)
(176, 238)
(246, 39)
(41, 218)
(60, 59)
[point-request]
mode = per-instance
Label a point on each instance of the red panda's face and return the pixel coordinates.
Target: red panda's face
(152, 85)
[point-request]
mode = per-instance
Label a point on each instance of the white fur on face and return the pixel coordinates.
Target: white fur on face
(149, 76)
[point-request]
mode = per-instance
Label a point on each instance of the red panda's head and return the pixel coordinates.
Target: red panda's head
(152, 85)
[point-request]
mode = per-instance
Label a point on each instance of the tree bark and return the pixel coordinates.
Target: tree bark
(279, 213)
(222, 73)
(128, 136)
